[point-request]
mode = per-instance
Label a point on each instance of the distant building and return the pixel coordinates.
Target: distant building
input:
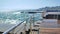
(52, 14)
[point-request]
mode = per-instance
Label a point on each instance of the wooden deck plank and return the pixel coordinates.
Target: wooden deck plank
(49, 30)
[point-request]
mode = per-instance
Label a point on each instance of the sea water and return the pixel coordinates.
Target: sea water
(14, 17)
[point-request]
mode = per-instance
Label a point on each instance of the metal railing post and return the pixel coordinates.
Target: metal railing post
(30, 26)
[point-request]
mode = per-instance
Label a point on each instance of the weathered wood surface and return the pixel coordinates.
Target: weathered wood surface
(49, 30)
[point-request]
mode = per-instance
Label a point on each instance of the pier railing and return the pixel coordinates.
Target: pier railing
(19, 28)
(22, 27)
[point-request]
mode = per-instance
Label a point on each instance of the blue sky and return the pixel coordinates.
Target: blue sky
(27, 4)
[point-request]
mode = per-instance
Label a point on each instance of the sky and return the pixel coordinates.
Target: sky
(26, 4)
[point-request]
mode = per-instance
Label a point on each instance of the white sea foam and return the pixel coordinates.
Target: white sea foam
(4, 25)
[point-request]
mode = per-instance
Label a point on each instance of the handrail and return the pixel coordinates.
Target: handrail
(12, 28)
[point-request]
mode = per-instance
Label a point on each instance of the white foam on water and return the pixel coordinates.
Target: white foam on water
(8, 24)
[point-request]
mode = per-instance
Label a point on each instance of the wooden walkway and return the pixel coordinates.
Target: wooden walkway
(49, 30)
